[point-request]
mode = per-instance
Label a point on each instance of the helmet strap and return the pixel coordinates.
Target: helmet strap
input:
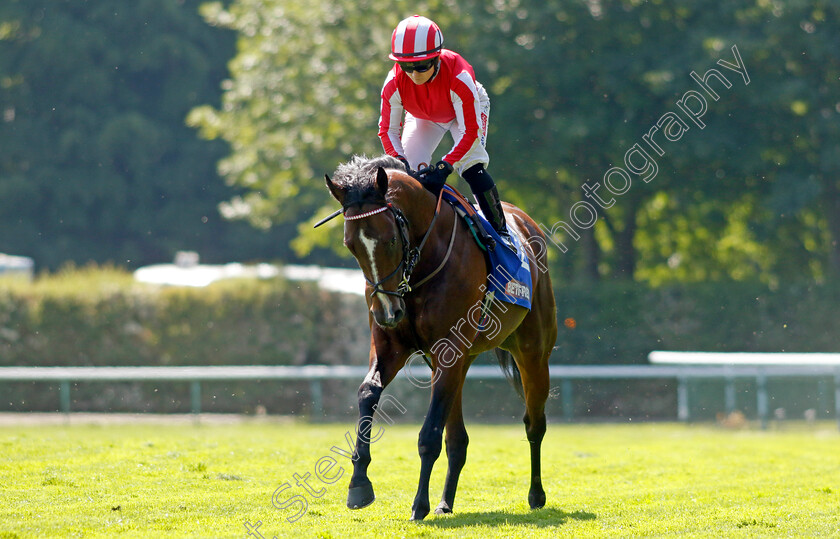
(437, 68)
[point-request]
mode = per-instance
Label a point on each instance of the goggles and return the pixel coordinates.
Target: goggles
(420, 67)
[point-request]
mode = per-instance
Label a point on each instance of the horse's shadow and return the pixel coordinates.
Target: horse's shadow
(545, 517)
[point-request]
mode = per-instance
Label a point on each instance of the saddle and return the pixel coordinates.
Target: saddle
(467, 211)
(509, 279)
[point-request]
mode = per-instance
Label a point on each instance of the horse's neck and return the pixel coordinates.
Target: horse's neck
(418, 205)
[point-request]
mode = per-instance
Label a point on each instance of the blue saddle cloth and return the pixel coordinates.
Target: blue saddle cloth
(510, 274)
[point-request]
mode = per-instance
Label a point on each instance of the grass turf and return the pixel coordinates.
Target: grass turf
(601, 480)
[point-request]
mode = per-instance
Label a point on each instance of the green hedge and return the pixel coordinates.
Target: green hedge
(116, 322)
(619, 323)
(100, 316)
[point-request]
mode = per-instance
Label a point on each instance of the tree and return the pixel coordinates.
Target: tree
(579, 85)
(304, 96)
(805, 200)
(575, 88)
(96, 161)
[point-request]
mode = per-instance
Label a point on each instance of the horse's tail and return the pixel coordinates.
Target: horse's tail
(508, 365)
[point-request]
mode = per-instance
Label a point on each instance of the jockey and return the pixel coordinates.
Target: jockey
(437, 90)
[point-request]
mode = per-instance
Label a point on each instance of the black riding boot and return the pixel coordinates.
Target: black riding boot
(491, 207)
(487, 196)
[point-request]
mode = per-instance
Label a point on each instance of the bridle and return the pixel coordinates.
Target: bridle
(411, 255)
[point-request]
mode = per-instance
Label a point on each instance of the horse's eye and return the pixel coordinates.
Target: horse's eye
(393, 241)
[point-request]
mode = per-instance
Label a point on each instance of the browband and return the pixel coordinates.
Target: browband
(365, 214)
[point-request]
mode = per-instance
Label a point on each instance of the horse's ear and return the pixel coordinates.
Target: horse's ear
(382, 180)
(336, 191)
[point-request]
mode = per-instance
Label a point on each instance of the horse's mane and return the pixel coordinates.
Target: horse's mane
(358, 177)
(359, 172)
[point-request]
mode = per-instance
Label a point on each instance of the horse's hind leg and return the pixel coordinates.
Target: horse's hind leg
(535, 382)
(456, 455)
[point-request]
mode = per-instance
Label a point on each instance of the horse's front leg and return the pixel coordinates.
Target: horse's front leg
(456, 454)
(360, 492)
(384, 365)
(446, 388)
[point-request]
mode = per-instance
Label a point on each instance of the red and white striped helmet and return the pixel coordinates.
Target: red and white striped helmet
(414, 39)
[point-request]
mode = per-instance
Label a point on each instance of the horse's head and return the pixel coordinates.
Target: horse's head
(376, 233)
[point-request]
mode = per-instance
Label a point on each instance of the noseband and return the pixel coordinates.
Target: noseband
(411, 255)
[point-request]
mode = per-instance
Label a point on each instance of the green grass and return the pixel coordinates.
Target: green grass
(601, 480)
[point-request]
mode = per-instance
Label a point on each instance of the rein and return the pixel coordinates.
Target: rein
(411, 255)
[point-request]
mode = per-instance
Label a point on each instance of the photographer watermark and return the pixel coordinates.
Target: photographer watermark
(638, 161)
(327, 468)
(480, 318)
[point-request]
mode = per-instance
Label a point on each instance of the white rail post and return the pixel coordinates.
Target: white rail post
(195, 397)
(729, 394)
(568, 399)
(837, 395)
(761, 397)
(317, 398)
(64, 396)
(683, 409)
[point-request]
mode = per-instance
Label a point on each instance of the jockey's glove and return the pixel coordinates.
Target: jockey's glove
(435, 178)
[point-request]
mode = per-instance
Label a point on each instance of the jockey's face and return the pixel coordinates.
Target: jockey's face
(419, 75)
(421, 78)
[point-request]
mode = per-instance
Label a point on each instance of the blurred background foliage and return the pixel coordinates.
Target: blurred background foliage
(96, 161)
(751, 196)
(137, 128)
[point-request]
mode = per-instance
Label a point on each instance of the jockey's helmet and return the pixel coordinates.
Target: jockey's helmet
(414, 39)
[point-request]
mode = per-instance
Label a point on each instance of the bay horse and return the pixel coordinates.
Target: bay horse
(425, 276)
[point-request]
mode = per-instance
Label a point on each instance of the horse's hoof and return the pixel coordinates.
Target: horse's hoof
(419, 513)
(536, 499)
(443, 509)
(360, 496)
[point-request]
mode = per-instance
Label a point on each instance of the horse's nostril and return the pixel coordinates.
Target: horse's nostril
(386, 319)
